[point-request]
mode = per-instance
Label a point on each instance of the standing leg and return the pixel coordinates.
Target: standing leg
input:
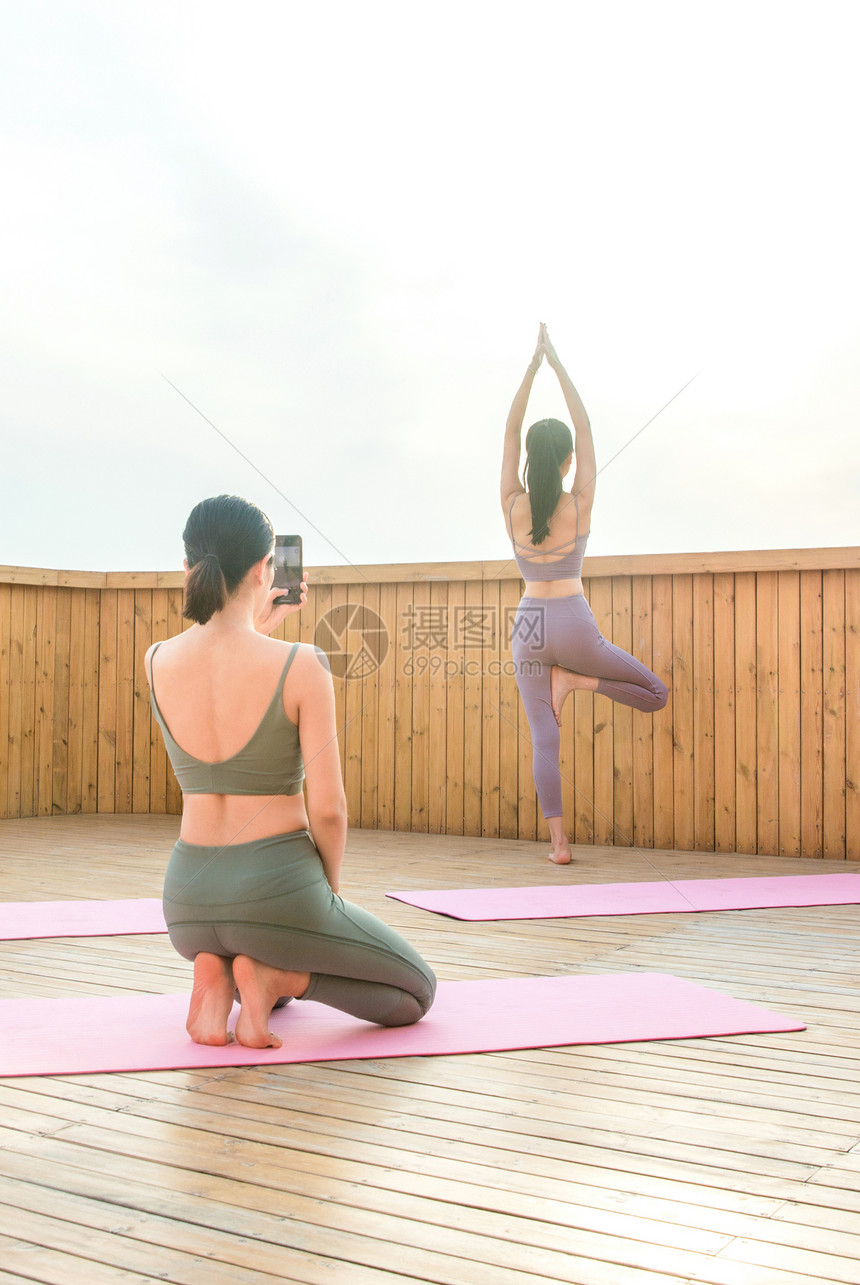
(533, 676)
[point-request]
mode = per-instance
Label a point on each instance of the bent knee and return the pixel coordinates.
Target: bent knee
(412, 1007)
(661, 696)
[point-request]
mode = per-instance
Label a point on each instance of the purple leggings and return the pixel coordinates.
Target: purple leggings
(563, 631)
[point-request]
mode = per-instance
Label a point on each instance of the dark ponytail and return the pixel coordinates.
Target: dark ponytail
(548, 444)
(224, 537)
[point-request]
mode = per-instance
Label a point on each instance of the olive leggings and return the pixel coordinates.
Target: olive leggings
(271, 900)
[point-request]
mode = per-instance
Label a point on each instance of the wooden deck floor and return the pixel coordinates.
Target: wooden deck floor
(730, 1161)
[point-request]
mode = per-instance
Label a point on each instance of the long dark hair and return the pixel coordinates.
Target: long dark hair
(548, 444)
(224, 536)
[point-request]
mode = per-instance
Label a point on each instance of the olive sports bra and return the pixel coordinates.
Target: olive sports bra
(567, 567)
(270, 763)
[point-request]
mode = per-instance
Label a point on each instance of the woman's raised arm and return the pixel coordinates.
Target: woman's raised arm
(511, 484)
(586, 462)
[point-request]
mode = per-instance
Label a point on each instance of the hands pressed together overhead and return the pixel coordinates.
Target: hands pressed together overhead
(544, 348)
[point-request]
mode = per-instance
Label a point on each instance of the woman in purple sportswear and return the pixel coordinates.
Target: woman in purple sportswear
(557, 646)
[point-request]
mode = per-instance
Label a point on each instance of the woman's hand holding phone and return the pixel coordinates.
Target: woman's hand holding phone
(273, 612)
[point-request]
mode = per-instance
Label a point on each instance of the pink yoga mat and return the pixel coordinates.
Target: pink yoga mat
(25, 919)
(147, 1032)
(575, 900)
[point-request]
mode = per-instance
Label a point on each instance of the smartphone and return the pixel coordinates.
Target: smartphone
(288, 568)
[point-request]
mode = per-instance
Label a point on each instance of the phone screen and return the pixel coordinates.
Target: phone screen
(288, 567)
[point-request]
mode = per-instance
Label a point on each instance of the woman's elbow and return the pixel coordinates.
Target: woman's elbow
(329, 808)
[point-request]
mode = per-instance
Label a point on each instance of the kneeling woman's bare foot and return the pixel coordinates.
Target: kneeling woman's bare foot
(260, 986)
(211, 1000)
(562, 682)
(560, 856)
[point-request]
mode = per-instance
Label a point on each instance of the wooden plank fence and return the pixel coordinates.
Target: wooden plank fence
(758, 750)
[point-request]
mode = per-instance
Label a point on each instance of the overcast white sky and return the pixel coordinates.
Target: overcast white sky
(336, 226)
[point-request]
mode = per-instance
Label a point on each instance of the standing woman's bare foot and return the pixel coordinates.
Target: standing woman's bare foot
(561, 685)
(560, 854)
(211, 1000)
(562, 682)
(260, 987)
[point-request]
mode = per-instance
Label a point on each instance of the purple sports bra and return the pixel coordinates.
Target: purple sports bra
(566, 567)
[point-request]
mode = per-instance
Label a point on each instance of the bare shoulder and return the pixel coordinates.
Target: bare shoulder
(509, 505)
(311, 662)
(584, 503)
(164, 642)
(510, 495)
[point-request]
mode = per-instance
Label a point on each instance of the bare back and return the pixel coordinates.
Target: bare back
(213, 691)
(569, 522)
(562, 526)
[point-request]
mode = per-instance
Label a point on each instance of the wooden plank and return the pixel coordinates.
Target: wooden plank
(455, 712)
(385, 722)
(107, 701)
(530, 821)
(300, 626)
(852, 714)
(811, 715)
(683, 728)
(721, 562)
(704, 766)
(584, 717)
(600, 601)
(404, 670)
(664, 754)
(421, 654)
(662, 564)
(16, 694)
(353, 683)
(174, 627)
(469, 633)
(767, 711)
(643, 724)
(124, 700)
(77, 642)
(567, 766)
(746, 823)
(46, 640)
(59, 756)
(90, 723)
(157, 752)
(370, 712)
(509, 595)
(622, 719)
(327, 640)
(54, 1267)
(28, 701)
(438, 722)
(833, 709)
(140, 708)
(5, 674)
(490, 645)
(789, 714)
(724, 713)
